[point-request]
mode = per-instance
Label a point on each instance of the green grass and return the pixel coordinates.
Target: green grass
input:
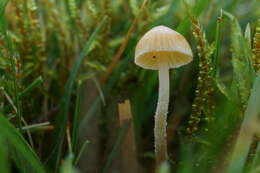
(18, 148)
(66, 65)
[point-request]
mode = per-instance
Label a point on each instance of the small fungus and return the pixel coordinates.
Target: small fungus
(169, 49)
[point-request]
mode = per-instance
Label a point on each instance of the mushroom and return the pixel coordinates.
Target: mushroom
(162, 48)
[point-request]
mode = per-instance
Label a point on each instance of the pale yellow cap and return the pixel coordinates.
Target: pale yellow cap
(162, 45)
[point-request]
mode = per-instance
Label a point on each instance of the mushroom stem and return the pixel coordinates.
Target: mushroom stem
(161, 116)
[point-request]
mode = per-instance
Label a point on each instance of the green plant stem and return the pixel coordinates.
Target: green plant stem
(218, 41)
(18, 104)
(76, 119)
(81, 151)
(34, 84)
(35, 126)
(15, 85)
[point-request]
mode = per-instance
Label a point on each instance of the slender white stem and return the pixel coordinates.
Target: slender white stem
(161, 116)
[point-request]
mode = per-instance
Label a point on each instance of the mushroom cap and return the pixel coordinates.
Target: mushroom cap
(162, 45)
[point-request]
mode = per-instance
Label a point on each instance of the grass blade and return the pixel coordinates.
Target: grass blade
(3, 4)
(243, 72)
(216, 60)
(76, 119)
(248, 35)
(256, 159)
(4, 166)
(17, 142)
(34, 84)
(81, 151)
(247, 130)
(63, 114)
(116, 146)
(217, 41)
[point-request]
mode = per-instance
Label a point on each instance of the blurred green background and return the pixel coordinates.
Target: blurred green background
(72, 99)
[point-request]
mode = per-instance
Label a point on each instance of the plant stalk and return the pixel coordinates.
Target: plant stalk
(161, 116)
